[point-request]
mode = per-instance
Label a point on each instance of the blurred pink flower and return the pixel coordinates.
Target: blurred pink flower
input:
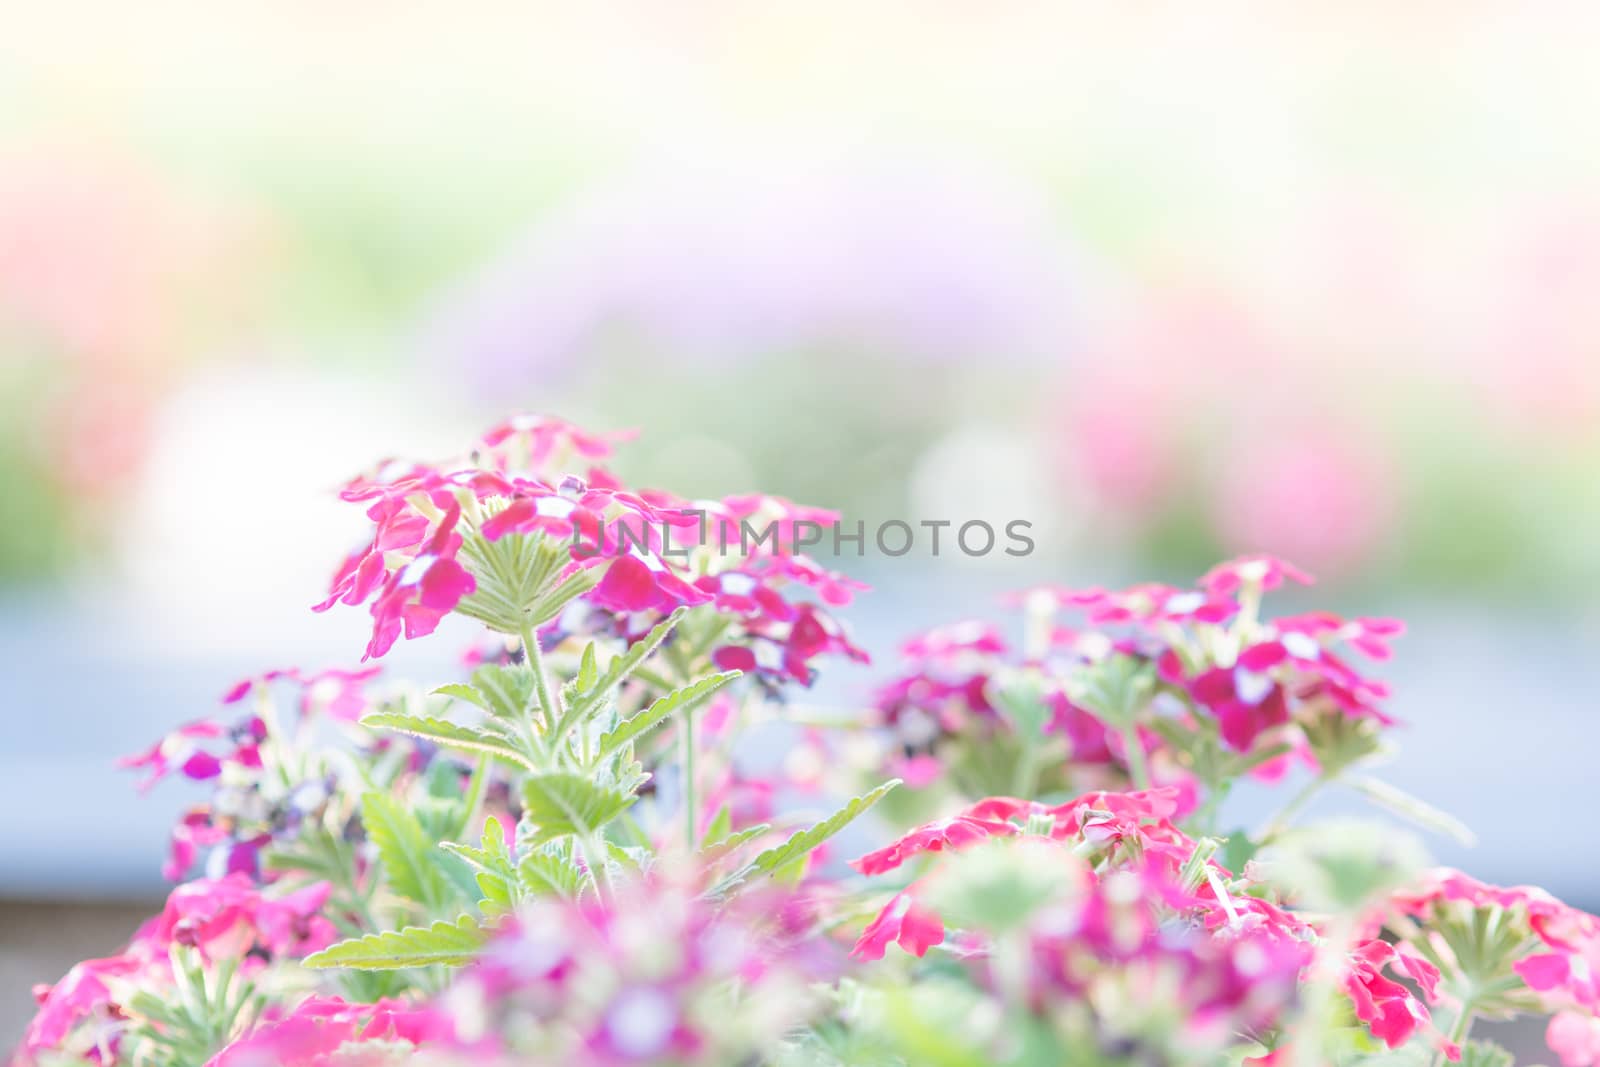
(1314, 496)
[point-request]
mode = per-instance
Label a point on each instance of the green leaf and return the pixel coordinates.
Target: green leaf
(1485, 1054)
(1418, 812)
(1237, 850)
(721, 826)
(625, 663)
(658, 712)
(544, 874)
(721, 846)
(494, 867)
(450, 735)
(462, 691)
(800, 845)
(448, 943)
(507, 691)
(1023, 703)
(588, 669)
(410, 857)
(1115, 689)
(552, 603)
(565, 803)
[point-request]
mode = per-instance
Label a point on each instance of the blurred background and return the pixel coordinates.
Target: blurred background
(1170, 284)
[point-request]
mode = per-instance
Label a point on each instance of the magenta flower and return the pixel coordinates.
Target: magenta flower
(225, 918)
(1261, 572)
(1389, 1009)
(80, 1014)
(326, 1031)
(637, 981)
(956, 832)
(902, 922)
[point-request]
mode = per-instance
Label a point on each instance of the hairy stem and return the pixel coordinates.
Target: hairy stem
(541, 679)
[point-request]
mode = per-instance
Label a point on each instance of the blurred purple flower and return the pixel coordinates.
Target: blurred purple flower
(906, 258)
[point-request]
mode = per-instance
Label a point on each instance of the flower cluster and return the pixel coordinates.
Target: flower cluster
(264, 788)
(1505, 951)
(216, 934)
(567, 854)
(655, 975)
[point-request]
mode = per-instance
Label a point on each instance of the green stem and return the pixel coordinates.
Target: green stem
(689, 814)
(475, 791)
(1025, 776)
(1280, 822)
(1458, 1032)
(541, 679)
(1205, 819)
(595, 858)
(1136, 765)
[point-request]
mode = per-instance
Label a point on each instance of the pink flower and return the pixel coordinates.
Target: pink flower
(1388, 1008)
(1560, 959)
(902, 922)
(293, 925)
(1575, 1038)
(80, 1013)
(641, 979)
(1264, 572)
(1316, 497)
(544, 443)
(956, 832)
(340, 693)
(644, 583)
(1118, 937)
(324, 1031)
(180, 750)
(225, 918)
(1245, 703)
(777, 651)
(216, 916)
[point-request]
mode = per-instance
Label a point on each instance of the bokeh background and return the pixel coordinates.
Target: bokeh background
(1171, 282)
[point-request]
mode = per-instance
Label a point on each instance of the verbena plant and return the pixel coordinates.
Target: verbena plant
(565, 856)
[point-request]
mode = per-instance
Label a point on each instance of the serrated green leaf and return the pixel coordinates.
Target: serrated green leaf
(1418, 812)
(451, 735)
(588, 669)
(658, 712)
(462, 691)
(492, 855)
(410, 857)
(448, 943)
(800, 845)
(725, 844)
(507, 691)
(625, 663)
(565, 803)
(720, 826)
(544, 874)
(495, 869)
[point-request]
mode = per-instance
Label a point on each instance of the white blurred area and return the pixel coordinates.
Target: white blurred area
(236, 526)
